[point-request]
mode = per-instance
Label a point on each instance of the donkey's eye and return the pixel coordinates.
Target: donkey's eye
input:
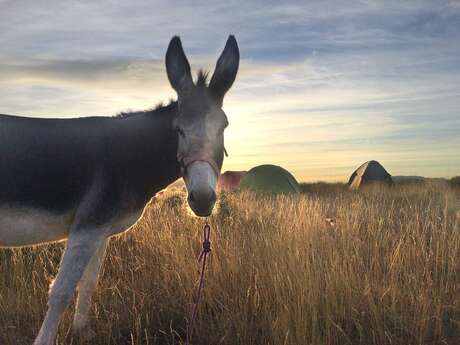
(180, 131)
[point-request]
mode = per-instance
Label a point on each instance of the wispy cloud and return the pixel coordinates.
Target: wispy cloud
(322, 87)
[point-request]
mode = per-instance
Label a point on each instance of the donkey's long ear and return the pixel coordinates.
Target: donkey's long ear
(226, 69)
(177, 67)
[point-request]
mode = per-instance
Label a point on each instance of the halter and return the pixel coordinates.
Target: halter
(185, 161)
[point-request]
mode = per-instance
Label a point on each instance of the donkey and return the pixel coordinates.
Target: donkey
(86, 179)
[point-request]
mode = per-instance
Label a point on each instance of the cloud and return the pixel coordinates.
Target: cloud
(63, 88)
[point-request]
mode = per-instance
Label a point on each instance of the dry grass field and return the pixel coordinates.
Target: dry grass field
(384, 270)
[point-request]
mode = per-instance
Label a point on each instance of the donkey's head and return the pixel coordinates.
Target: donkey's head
(201, 122)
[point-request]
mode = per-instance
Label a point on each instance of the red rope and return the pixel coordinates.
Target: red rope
(202, 258)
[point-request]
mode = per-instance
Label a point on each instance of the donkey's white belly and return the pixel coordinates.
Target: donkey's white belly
(29, 226)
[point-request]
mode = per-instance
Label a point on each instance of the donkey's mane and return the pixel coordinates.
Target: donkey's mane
(202, 79)
(159, 110)
(162, 108)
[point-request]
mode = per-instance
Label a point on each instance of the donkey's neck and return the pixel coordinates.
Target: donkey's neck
(145, 147)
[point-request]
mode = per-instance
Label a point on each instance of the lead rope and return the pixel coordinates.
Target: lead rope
(202, 258)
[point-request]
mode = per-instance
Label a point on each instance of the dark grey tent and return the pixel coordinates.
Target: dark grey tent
(369, 172)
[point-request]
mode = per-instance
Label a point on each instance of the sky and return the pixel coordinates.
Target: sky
(323, 86)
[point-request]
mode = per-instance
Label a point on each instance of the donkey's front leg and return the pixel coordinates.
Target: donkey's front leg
(86, 289)
(81, 247)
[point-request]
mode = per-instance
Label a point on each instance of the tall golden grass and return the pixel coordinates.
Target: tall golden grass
(384, 269)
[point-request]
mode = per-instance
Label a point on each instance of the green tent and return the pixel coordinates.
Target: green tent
(269, 179)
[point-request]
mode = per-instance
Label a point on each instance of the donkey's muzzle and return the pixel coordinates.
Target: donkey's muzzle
(201, 179)
(202, 201)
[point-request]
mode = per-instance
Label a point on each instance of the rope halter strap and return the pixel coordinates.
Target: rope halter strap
(202, 258)
(206, 241)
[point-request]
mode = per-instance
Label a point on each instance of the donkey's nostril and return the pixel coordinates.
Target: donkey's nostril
(192, 197)
(212, 198)
(207, 197)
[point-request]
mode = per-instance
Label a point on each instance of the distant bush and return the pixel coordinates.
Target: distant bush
(405, 180)
(455, 181)
(323, 188)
